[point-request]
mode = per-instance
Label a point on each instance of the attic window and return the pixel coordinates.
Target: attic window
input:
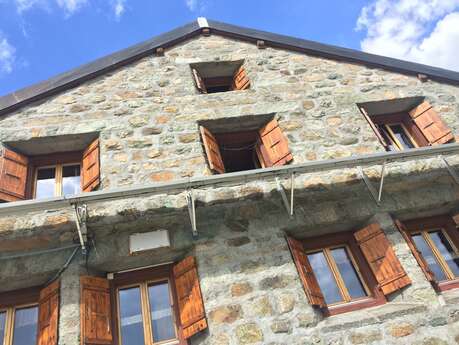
(220, 76)
(245, 149)
(406, 123)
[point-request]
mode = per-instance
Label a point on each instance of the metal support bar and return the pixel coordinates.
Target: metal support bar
(280, 188)
(450, 169)
(81, 213)
(292, 189)
(381, 182)
(192, 211)
(377, 195)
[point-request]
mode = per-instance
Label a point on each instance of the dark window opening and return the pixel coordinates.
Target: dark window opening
(238, 151)
(220, 76)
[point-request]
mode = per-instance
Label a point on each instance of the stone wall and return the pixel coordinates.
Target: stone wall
(147, 116)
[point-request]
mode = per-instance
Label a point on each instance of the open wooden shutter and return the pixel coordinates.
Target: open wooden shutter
(376, 248)
(274, 145)
(13, 175)
(375, 128)
(214, 157)
(310, 284)
(240, 80)
(198, 81)
(418, 256)
(90, 170)
(95, 311)
(430, 124)
(190, 303)
(48, 315)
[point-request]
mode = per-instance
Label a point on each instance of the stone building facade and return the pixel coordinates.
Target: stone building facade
(146, 114)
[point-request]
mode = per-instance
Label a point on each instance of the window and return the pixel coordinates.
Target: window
(18, 325)
(28, 315)
(406, 123)
(47, 175)
(231, 151)
(160, 305)
(348, 271)
(435, 241)
(220, 76)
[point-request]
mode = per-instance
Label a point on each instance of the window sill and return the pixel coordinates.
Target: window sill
(448, 285)
(355, 305)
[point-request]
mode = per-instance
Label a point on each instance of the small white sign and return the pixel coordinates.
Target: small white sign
(148, 241)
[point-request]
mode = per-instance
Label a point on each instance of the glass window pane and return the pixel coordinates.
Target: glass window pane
(25, 326)
(325, 278)
(2, 326)
(162, 322)
(131, 317)
(71, 180)
(402, 137)
(429, 257)
(46, 183)
(348, 272)
(446, 250)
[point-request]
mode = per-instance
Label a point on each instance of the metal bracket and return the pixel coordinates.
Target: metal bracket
(450, 169)
(192, 211)
(377, 195)
(81, 213)
(288, 205)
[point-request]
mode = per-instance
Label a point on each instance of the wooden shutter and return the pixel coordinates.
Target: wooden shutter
(430, 124)
(310, 284)
(198, 81)
(387, 269)
(214, 157)
(90, 170)
(95, 311)
(375, 129)
(48, 315)
(240, 80)
(190, 303)
(13, 175)
(274, 145)
(416, 253)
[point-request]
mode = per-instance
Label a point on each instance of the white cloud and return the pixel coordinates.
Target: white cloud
(191, 4)
(68, 6)
(416, 30)
(197, 5)
(7, 55)
(119, 8)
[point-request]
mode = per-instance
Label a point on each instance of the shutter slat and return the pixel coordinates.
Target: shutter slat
(241, 80)
(96, 325)
(430, 124)
(275, 145)
(308, 279)
(48, 315)
(190, 303)
(381, 258)
(198, 81)
(214, 157)
(91, 167)
(417, 255)
(13, 175)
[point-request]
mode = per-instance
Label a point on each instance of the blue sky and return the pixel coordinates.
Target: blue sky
(41, 38)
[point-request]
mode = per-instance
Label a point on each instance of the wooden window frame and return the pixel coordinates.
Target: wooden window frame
(403, 119)
(139, 278)
(57, 161)
(448, 227)
(10, 302)
(346, 239)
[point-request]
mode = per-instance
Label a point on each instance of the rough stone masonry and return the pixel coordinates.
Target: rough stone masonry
(147, 115)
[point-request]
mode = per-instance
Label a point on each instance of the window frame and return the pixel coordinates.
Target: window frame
(11, 301)
(448, 227)
(403, 119)
(57, 161)
(137, 278)
(374, 296)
